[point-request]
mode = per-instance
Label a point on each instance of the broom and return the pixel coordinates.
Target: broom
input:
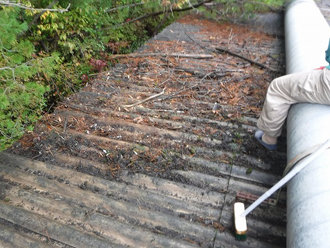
(239, 212)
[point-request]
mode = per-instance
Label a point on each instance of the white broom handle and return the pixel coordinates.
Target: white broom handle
(298, 167)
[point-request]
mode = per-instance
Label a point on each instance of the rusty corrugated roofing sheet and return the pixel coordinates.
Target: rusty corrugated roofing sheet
(143, 157)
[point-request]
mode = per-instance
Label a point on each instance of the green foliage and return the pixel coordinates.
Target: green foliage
(20, 107)
(21, 91)
(44, 54)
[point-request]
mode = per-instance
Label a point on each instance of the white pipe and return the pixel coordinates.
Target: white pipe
(308, 204)
(306, 36)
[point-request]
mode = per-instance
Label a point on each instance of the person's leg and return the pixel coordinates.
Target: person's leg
(308, 86)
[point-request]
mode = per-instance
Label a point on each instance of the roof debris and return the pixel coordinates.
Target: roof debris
(154, 152)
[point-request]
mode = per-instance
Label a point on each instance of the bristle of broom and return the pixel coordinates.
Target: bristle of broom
(240, 222)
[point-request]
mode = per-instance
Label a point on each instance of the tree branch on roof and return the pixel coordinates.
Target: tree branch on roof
(160, 13)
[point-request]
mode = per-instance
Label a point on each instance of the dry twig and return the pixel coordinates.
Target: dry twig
(145, 100)
(218, 49)
(179, 55)
(22, 6)
(121, 7)
(247, 59)
(188, 88)
(160, 13)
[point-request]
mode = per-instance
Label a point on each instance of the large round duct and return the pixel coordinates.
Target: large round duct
(308, 205)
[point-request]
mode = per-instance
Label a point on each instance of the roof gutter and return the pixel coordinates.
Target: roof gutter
(308, 204)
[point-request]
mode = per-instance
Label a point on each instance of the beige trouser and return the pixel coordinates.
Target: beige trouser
(307, 86)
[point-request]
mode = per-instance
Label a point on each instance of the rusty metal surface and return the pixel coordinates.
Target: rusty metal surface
(162, 173)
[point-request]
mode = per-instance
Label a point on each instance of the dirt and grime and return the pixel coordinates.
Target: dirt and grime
(160, 142)
(230, 90)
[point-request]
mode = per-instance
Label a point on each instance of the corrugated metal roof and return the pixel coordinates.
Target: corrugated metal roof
(164, 172)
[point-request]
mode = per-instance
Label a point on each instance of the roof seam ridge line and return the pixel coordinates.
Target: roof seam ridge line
(225, 193)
